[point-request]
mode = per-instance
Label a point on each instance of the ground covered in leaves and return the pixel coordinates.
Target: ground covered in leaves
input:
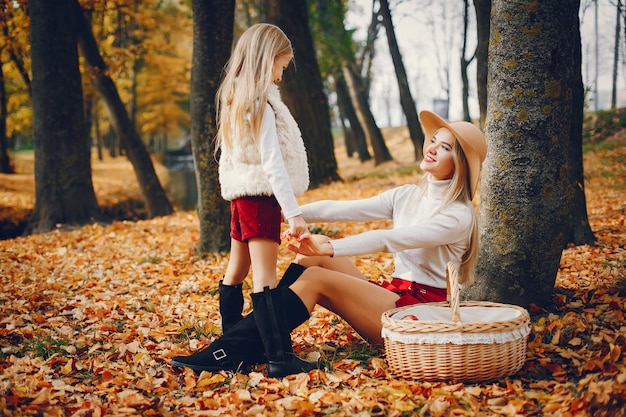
(89, 319)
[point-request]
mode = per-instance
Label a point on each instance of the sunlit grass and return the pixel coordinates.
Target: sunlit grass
(45, 347)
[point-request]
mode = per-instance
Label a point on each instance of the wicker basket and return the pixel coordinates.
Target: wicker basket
(488, 344)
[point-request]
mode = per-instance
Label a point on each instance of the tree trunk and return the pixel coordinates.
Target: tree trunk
(303, 80)
(464, 64)
(366, 118)
(154, 195)
(5, 162)
(523, 210)
(483, 13)
(618, 32)
(64, 191)
(406, 99)
(596, 38)
(364, 64)
(578, 231)
(346, 109)
(96, 128)
(213, 22)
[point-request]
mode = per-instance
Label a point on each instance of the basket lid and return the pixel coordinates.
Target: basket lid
(468, 314)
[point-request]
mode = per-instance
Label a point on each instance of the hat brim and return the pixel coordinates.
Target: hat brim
(468, 135)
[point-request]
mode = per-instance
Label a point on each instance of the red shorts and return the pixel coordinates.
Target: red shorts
(413, 293)
(255, 217)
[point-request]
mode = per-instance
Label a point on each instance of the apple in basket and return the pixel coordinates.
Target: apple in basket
(410, 317)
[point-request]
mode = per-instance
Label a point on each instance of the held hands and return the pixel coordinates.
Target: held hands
(298, 229)
(312, 245)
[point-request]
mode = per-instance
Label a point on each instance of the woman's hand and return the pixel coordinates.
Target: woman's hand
(312, 245)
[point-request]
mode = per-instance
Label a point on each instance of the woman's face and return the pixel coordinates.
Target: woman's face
(281, 63)
(438, 155)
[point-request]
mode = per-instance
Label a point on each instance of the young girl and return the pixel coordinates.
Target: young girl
(433, 222)
(262, 167)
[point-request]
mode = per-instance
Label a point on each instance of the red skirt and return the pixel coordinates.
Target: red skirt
(413, 293)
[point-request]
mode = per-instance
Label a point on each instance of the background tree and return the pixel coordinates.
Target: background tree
(63, 189)
(11, 29)
(578, 231)
(523, 210)
(464, 64)
(483, 13)
(443, 25)
(212, 40)
(618, 21)
(406, 99)
(354, 135)
(157, 203)
(304, 80)
(14, 27)
(334, 46)
(161, 84)
(358, 95)
(367, 54)
(358, 75)
(5, 162)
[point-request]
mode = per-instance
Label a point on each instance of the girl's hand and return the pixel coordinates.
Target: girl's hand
(312, 245)
(297, 229)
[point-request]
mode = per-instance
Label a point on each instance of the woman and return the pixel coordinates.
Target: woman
(433, 222)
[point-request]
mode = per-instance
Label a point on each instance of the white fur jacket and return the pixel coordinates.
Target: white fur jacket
(240, 170)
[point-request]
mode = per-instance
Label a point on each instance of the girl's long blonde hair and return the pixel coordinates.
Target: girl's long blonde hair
(243, 92)
(459, 190)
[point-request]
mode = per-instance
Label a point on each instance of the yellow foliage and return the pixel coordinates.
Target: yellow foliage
(147, 48)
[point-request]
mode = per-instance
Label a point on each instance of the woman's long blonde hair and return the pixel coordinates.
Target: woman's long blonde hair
(459, 190)
(243, 92)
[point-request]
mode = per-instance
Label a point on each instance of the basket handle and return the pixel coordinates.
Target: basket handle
(452, 290)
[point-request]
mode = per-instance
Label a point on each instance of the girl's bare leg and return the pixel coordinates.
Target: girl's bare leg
(238, 264)
(263, 255)
(339, 264)
(359, 302)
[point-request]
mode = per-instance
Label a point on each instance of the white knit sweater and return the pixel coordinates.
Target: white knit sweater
(424, 236)
(275, 164)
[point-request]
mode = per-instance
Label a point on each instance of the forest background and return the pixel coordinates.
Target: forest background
(575, 353)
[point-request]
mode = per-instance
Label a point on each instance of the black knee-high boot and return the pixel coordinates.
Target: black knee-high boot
(271, 311)
(231, 304)
(241, 346)
(291, 275)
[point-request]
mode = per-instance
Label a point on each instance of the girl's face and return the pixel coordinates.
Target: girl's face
(438, 155)
(281, 63)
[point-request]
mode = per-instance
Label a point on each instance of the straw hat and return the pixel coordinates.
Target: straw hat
(468, 135)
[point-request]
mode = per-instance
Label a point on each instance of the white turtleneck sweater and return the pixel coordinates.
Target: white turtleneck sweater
(424, 236)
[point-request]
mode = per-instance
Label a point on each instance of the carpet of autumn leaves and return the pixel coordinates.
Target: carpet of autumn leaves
(89, 319)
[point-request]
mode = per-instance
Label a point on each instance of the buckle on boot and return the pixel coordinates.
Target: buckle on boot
(219, 354)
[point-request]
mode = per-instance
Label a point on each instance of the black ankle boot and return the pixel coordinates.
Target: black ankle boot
(270, 315)
(231, 304)
(236, 350)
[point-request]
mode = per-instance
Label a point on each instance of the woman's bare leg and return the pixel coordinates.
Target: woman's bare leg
(359, 302)
(340, 264)
(264, 255)
(238, 264)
